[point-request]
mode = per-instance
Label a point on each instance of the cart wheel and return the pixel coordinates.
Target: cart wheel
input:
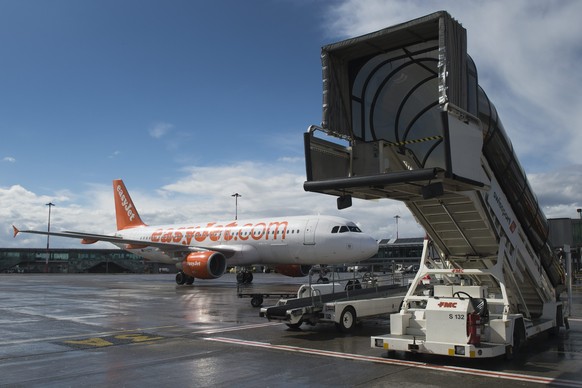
(348, 320)
(294, 326)
(257, 301)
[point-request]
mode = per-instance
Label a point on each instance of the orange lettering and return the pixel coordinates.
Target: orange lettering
(189, 236)
(177, 237)
(228, 235)
(202, 236)
(261, 233)
(241, 233)
(276, 225)
(156, 235)
(167, 236)
(216, 232)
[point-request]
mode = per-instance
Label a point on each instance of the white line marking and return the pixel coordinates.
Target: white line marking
(414, 364)
(235, 328)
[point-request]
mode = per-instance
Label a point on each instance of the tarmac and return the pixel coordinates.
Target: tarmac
(144, 330)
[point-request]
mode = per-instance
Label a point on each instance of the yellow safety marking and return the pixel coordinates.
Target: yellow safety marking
(90, 342)
(137, 337)
(472, 354)
(120, 339)
(451, 352)
(430, 138)
(386, 345)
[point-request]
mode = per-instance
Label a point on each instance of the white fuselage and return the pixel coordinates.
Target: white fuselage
(284, 240)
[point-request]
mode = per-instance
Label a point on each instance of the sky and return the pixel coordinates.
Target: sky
(190, 102)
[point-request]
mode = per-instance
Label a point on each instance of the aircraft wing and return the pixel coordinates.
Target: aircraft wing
(90, 238)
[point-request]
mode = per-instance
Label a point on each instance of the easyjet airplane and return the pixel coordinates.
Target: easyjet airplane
(203, 250)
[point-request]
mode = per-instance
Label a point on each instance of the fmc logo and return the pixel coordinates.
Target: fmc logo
(449, 305)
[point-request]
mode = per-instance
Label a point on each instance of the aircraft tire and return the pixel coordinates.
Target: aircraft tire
(181, 278)
(189, 280)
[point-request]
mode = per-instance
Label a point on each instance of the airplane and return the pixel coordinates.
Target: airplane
(203, 250)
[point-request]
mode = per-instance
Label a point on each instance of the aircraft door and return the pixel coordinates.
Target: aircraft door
(309, 236)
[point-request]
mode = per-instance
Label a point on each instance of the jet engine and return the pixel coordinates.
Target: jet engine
(204, 265)
(293, 270)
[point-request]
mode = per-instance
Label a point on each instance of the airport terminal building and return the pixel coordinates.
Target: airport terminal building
(69, 260)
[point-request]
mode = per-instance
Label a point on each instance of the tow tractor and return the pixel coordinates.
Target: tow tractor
(343, 302)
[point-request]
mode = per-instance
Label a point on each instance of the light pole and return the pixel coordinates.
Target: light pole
(236, 196)
(579, 259)
(50, 205)
(397, 217)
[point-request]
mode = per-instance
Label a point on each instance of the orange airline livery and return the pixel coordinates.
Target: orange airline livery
(203, 250)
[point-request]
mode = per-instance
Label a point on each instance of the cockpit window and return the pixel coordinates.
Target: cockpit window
(345, 228)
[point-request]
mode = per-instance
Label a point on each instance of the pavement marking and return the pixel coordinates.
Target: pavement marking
(101, 342)
(412, 364)
(235, 328)
(81, 336)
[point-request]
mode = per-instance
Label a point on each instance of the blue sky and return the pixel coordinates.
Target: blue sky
(95, 89)
(191, 101)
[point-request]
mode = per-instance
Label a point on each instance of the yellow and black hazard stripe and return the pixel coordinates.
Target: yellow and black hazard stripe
(414, 141)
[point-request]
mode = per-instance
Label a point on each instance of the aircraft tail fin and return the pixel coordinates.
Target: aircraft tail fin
(125, 211)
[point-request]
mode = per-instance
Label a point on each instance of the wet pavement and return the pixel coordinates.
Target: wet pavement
(136, 330)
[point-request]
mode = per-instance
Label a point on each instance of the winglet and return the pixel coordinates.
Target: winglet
(125, 211)
(16, 231)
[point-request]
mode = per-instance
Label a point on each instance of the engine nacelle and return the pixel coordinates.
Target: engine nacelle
(204, 265)
(293, 270)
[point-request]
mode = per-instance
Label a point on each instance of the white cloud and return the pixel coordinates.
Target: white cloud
(559, 193)
(527, 55)
(203, 194)
(9, 159)
(28, 210)
(158, 130)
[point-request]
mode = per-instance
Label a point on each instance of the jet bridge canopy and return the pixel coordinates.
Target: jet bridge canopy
(401, 98)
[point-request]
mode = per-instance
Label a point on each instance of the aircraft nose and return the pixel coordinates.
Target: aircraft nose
(369, 246)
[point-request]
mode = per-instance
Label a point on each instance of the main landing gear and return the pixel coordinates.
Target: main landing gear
(182, 278)
(244, 277)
